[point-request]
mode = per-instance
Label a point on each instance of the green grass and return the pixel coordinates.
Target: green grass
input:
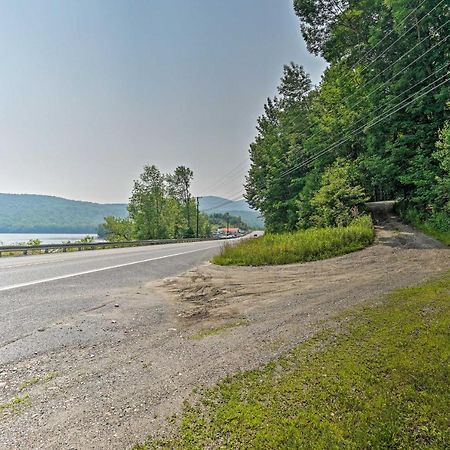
(212, 331)
(36, 379)
(382, 382)
(436, 226)
(443, 236)
(15, 402)
(300, 246)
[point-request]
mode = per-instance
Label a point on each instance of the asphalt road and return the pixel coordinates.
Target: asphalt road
(44, 298)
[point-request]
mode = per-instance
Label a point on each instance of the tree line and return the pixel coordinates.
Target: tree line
(161, 206)
(376, 126)
(221, 220)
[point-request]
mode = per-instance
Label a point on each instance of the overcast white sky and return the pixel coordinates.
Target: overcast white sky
(93, 90)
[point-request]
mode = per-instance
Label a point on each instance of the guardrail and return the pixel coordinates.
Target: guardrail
(46, 248)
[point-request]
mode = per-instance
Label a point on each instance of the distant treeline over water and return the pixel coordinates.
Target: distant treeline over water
(45, 238)
(37, 214)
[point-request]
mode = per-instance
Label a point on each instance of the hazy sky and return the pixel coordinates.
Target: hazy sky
(91, 90)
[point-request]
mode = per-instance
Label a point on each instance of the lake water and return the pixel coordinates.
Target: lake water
(51, 238)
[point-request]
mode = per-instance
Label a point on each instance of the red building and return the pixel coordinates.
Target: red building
(228, 230)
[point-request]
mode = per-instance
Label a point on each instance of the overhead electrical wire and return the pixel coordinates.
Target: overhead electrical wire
(336, 144)
(290, 170)
(228, 175)
(226, 203)
(366, 126)
(407, 53)
(402, 35)
(366, 96)
(388, 34)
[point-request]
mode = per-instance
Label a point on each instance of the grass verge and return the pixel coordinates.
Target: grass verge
(218, 330)
(300, 246)
(443, 236)
(382, 382)
(436, 226)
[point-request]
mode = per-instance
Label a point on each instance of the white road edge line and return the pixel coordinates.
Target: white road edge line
(102, 269)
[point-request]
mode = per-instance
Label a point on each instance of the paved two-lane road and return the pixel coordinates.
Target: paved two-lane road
(43, 297)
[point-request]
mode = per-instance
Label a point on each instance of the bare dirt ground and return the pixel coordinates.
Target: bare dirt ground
(210, 322)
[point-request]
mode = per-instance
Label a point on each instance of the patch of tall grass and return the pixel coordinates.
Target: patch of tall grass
(300, 246)
(436, 225)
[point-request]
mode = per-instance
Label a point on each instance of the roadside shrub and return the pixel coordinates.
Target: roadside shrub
(33, 242)
(442, 155)
(301, 246)
(440, 221)
(340, 198)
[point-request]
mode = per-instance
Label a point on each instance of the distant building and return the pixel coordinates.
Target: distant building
(228, 230)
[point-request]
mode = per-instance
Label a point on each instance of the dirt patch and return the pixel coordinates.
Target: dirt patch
(210, 295)
(110, 395)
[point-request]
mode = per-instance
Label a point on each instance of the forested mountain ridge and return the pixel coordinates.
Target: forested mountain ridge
(374, 128)
(29, 213)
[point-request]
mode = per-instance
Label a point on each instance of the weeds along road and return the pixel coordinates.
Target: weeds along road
(45, 299)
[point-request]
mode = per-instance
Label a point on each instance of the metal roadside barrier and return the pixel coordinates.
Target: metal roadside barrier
(45, 248)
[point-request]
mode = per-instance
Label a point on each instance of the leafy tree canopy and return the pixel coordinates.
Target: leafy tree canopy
(378, 111)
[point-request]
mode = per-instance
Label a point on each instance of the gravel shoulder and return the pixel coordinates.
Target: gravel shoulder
(201, 326)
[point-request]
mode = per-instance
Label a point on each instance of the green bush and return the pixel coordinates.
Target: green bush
(301, 246)
(340, 198)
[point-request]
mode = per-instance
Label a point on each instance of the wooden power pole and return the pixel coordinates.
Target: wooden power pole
(198, 214)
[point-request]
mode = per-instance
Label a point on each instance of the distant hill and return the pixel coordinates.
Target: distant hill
(211, 205)
(28, 213)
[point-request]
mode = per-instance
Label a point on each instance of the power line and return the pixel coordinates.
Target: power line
(403, 34)
(401, 71)
(408, 52)
(237, 174)
(224, 178)
(375, 111)
(368, 126)
(334, 145)
(366, 96)
(228, 175)
(387, 35)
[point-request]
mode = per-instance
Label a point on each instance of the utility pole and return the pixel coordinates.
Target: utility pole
(228, 222)
(198, 213)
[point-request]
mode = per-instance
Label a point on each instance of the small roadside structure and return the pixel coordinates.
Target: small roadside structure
(229, 230)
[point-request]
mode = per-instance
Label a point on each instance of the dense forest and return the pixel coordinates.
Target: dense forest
(375, 128)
